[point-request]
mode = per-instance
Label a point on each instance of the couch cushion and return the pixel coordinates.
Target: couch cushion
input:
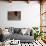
(17, 30)
(22, 38)
(11, 30)
(24, 30)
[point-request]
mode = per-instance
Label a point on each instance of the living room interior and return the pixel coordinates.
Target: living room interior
(22, 23)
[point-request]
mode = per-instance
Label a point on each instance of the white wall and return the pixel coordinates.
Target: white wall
(30, 14)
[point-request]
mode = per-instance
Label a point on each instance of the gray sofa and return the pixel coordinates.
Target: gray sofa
(17, 35)
(22, 38)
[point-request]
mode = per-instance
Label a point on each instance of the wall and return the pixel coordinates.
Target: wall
(30, 14)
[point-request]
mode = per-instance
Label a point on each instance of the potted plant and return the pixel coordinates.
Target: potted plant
(37, 33)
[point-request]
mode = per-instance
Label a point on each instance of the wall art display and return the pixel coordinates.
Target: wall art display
(14, 15)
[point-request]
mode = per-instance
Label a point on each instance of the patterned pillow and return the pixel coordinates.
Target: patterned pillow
(11, 30)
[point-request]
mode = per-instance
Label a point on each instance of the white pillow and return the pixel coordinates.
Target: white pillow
(23, 31)
(5, 32)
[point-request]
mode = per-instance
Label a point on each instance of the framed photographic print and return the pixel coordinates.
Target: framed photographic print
(14, 15)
